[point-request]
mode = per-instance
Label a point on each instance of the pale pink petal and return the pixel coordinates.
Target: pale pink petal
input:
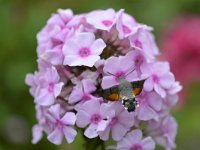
(167, 80)
(37, 133)
(75, 95)
(83, 119)
(134, 137)
(112, 65)
(160, 90)
(70, 47)
(85, 39)
(91, 132)
(126, 119)
(155, 101)
(108, 81)
(102, 125)
(146, 69)
(133, 76)
(73, 60)
(55, 111)
(161, 68)
(69, 133)
(148, 84)
(104, 135)
(56, 136)
(148, 143)
(98, 46)
(52, 75)
(146, 113)
(45, 98)
(58, 88)
(94, 104)
(118, 131)
(88, 86)
(90, 61)
(69, 118)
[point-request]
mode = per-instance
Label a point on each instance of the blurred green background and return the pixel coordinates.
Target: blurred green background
(20, 22)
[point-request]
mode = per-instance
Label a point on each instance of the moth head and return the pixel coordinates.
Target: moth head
(129, 104)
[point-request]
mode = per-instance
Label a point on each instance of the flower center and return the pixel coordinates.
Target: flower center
(119, 76)
(113, 121)
(51, 87)
(59, 124)
(136, 147)
(155, 78)
(107, 23)
(126, 29)
(139, 60)
(95, 119)
(86, 97)
(84, 52)
(138, 44)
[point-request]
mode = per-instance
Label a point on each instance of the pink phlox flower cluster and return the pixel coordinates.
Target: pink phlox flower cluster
(81, 56)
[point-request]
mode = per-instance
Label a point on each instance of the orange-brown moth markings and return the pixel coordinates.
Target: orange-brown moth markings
(114, 97)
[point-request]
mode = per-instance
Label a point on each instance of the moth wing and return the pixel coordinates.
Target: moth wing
(137, 87)
(112, 94)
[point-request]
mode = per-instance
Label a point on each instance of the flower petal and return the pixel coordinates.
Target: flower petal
(56, 136)
(69, 118)
(69, 133)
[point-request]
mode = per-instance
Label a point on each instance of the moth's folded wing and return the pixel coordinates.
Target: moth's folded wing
(137, 87)
(111, 94)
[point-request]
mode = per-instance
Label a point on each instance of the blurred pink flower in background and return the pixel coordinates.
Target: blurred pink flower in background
(181, 45)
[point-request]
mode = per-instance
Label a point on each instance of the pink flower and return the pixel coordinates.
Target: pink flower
(50, 88)
(126, 25)
(79, 52)
(52, 37)
(181, 45)
(33, 80)
(144, 40)
(137, 58)
(119, 122)
(164, 131)
(43, 125)
(114, 70)
(93, 115)
(158, 77)
(102, 19)
(55, 55)
(37, 133)
(134, 141)
(149, 104)
(62, 125)
(82, 92)
(79, 56)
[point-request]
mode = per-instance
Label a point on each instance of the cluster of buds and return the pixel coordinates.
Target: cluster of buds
(81, 55)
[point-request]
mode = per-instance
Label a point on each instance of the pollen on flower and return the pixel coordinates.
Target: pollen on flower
(82, 61)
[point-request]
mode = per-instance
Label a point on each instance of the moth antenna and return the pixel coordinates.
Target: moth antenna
(130, 72)
(110, 73)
